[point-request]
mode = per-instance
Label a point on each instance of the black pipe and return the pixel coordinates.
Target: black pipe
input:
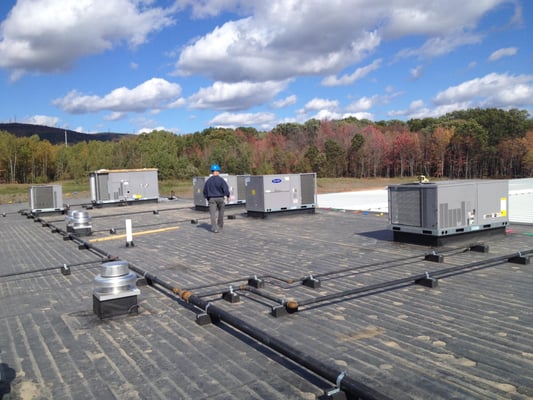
(76, 239)
(351, 387)
(452, 251)
(34, 271)
(410, 279)
(261, 293)
(294, 305)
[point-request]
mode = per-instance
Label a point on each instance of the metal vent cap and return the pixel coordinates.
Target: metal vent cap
(115, 278)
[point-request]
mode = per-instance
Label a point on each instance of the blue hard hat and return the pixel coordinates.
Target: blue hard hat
(215, 167)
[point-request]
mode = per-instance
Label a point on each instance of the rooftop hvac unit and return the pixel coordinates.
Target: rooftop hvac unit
(267, 194)
(123, 186)
(447, 208)
(236, 185)
(46, 198)
(115, 291)
(521, 200)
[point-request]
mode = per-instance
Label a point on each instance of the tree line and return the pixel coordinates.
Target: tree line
(474, 143)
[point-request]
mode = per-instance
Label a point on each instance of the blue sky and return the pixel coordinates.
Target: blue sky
(131, 66)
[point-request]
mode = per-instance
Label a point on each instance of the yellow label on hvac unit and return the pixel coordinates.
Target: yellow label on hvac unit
(503, 206)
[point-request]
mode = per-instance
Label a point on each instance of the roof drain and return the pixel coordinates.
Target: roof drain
(349, 386)
(115, 292)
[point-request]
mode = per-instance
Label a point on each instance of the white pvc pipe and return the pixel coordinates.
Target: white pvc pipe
(129, 231)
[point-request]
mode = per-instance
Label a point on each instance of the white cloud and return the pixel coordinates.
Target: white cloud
(115, 116)
(50, 35)
(148, 130)
(492, 90)
(505, 52)
(287, 101)
(42, 120)
(236, 96)
(155, 93)
(416, 72)
(322, 109)
(435, 17)
(360, 115)
(359, 73)
(234, 120)
(211, 8)
(281, 39)
(439, 46)
(415, 108)
(327, 114)
(362, 104)
(317, 104)
(366, 103)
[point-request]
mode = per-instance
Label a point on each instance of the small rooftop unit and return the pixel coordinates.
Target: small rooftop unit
(236, 185)
(427, 212)
(46, 198)
(123, 186)
(266, 194)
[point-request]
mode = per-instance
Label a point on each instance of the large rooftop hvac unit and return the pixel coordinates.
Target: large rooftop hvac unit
(426, 212)
(236, 185)
(267, 194)
(123, 186)
(520, 201)
(46, 198)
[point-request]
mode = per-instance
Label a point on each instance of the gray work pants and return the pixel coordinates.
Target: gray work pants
(216, 205)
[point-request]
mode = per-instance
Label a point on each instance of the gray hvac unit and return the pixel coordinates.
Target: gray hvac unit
(448, 208)
(125, 185)
(277, 193)
(46, 198)
(236, 185)
(521, 200)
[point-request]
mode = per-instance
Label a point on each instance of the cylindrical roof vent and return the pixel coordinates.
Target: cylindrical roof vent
(68, 219)
(115, 291)
(79, 222)
(115, 278)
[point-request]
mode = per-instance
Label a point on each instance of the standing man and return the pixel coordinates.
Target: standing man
(215, 190)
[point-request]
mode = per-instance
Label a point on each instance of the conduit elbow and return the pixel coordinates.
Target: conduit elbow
(186, 295)
(292, 306)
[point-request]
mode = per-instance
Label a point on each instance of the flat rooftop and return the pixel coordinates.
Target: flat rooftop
(365, 317)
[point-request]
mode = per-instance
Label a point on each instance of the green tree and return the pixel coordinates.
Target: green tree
(159, 149)
(316, 160)
(335, 158)
(468, 148)
(10, 153)
(354, 153)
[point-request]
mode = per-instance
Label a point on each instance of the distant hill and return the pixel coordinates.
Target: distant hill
(56, 135)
